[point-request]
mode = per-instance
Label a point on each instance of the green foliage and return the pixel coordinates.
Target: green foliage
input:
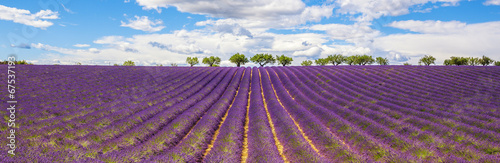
(351, 60)
(321, 61)
(497, 63)
(263, 59)
(116, 64)
(129, 63)
(239, 59)
(284, 60)
(78, 63)
(336, 59)
(192, 61)
(458, 61)
(359, 60)
(485, 61)
(472, 61)
(427, 60)
(173, 64)
(447, 62)
(211, 61)
(21, 62)
(306, 63)
(407, 64)
(160, 65)
(382, 61)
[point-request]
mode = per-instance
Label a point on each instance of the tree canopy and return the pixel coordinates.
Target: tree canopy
(263, 59)
(192, 61)
(306, 63)
(336, 59)
(211, 61)
(284, 60)
(382, 61)
(485, 61)
(427, 60)
(238, 59)
(321, 61)
(129, 63)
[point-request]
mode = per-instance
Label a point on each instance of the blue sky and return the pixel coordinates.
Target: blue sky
(152, 32)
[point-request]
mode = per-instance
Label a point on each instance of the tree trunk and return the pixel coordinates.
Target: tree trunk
(238, 64)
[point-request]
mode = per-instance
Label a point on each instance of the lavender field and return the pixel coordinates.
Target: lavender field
(271, 114)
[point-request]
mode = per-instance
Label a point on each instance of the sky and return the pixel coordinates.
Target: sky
(152, 32)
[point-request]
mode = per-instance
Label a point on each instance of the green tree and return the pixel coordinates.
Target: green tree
(239, 59)
(263, 59)
(497, 63)
(284, 60)
(192, 61)
(306, 63)
(116, 64)
(447, 62)
(173, 64)
(485, 61)
(351, 59)
(382, 61)
(472, 61)
(427, 60)
(129, 63)
(364, 59)
(407, 64)
(458, 61)
(78, 63)
(336, 59)
(211, 61)
(321, 61)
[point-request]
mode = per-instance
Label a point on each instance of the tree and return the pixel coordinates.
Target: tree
(472, 61)
(129, 63)
(497, 63)
(458, 61)
(351, 59)
(407, 64)
(363, 60)
(382, 61)
(284, 60)
(239, 59)
(173, 64)
(447, 62)
(116, 64)
(306, 63)
(336, 59)
(321, 61)
(192, 61)
(211, 61)
(485, 61)
(427, 60)
(78, 63)
(263, 59)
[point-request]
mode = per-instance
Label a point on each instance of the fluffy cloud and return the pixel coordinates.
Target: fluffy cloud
(373, 9)
(81, 45)
(25, 17)
(361, 34)
(492, 2)
(472, 40)
(230, 8)
(430, 26)
(144, 24)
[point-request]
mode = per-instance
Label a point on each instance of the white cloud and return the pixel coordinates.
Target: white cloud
(229, 8)
(492, 2)
(430, 26)
(81, 45)
(474, 40)
(373, 9)
(144, 24)
(25, 17)
(361, 34)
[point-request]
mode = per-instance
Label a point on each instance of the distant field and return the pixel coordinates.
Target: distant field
(272, 114)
